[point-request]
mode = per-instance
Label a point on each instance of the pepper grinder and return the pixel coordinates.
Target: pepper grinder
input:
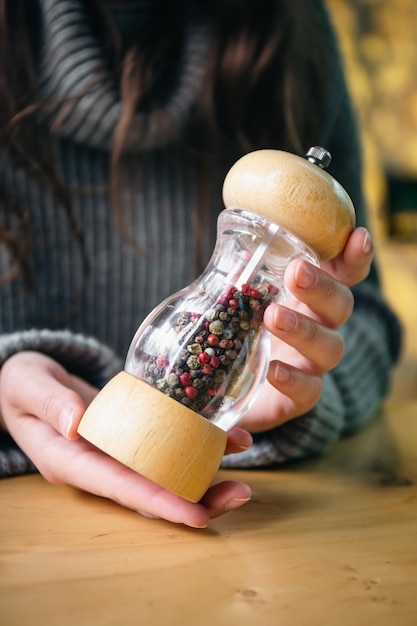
(198, 361)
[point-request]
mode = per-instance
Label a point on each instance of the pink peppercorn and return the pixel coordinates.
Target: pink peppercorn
(185, 379)
(203, 357)
(255, 294)
(191, 392)
(233, 303)
(162, 361)
(215, 362)
(213, 340)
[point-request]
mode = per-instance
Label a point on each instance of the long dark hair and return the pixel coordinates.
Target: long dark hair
(265, 87)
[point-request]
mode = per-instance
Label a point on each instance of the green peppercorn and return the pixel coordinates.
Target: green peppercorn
(194, 348)
(216, 327)
(172, 380)
(193, 362)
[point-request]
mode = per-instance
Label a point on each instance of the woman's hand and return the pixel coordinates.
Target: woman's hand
(306, 343)
(41, 407)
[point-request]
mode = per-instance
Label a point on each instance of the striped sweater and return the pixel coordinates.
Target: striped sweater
(92, 338)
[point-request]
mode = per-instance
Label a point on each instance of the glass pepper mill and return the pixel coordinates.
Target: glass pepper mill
(197, 362)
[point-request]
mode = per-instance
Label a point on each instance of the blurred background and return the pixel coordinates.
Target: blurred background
(378, 39)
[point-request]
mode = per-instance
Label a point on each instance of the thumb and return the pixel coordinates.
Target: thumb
(34, 384)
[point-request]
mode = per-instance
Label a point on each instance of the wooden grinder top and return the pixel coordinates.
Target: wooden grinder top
(295, 193)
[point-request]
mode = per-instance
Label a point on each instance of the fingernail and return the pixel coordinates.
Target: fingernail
(197, 525)
(305, 275)
(284, 319)
(242, 439)
(281, 373)
(149, 515)
(245, 446)
(65, 420)
(235, 503)
(367, 245)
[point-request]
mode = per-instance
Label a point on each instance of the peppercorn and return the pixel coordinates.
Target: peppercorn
(198, 375)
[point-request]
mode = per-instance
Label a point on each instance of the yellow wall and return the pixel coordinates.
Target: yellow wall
(379, 43)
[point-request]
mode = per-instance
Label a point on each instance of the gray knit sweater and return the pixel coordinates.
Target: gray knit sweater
(123, 286)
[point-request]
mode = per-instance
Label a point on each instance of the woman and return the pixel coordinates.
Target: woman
(119, 121)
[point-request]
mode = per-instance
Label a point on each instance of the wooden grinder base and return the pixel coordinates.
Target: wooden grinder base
(154, 435)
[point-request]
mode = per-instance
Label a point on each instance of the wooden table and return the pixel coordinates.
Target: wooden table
(330, 541)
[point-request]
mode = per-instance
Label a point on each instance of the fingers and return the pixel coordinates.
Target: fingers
(136, 492)
(83, 466)
(329, 300)
(34, 384)
(325, 291)
(79, 464)
(354, 264)
(309, 345)
(238, 440)
(301, 388)
(225, 496)
(322, 346)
